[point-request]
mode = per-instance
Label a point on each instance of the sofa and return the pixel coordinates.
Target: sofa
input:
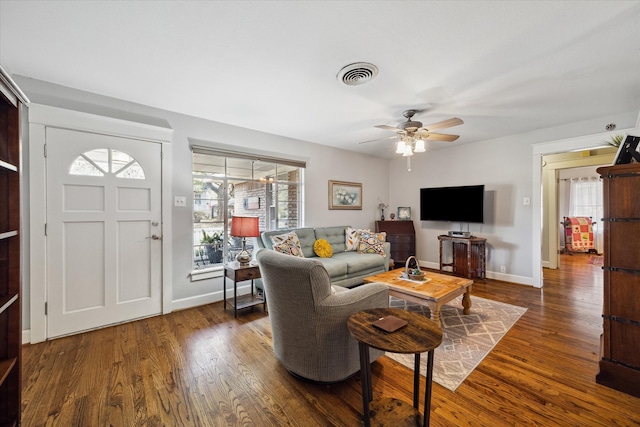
(309, 316)
(346, 268)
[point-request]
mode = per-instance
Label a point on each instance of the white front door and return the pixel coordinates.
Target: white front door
(104, 228)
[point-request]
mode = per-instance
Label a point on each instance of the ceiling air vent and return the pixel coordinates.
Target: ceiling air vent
(357, 73)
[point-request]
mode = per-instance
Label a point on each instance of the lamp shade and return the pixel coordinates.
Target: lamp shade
(245, 226)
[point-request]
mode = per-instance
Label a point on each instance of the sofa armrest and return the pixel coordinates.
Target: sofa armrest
(387, 255)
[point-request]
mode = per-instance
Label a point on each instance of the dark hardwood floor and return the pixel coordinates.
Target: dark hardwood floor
(202, 367)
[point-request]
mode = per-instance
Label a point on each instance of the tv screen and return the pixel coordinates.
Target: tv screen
(453, 204)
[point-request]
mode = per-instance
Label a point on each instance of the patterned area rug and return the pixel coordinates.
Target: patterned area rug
(466, 339)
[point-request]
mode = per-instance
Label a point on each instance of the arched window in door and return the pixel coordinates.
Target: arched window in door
(103, 161)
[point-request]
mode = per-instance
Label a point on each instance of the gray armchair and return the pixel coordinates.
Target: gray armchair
(309, 316)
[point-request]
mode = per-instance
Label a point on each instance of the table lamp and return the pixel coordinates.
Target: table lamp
(244, 226)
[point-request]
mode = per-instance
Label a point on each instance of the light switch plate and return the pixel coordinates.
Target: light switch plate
(180, 201)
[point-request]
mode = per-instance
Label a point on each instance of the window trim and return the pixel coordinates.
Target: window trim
(199, 149)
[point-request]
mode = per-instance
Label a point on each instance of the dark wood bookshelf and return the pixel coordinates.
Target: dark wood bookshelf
(11, 101)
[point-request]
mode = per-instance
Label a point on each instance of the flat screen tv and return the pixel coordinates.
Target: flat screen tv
(453, 204)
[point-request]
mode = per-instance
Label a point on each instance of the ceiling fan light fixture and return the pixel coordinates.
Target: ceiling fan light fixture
(400, 147)
(419, 146)
(407, 151)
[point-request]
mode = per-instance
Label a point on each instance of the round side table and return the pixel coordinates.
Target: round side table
(418, 336)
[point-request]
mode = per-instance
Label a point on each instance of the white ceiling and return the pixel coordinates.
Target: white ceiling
(504, 67)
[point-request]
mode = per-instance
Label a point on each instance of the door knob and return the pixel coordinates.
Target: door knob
(155, 237)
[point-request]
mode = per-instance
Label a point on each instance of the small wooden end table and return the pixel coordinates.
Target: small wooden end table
(418, 336)
(240, 273)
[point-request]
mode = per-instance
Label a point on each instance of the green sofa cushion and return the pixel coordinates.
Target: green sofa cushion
(334, 235)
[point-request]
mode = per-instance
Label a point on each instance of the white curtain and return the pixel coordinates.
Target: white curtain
(585, 199)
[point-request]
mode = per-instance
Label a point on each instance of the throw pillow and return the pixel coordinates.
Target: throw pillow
(372, 243)
(288, 243)
(352, 236)
(322, 248)
(280, 238)
(288, 248)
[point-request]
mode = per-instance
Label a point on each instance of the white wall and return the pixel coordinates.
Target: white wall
(504, 169)
(323, 164)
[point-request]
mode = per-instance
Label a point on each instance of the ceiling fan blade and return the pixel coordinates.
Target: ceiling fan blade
(439, 137)
(444, 124)
(385, 127)
(379, 139)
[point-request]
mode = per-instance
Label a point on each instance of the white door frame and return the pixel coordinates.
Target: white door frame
(41, 117)
(539, 150)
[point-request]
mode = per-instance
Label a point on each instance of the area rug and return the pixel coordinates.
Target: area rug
(466, 339)
(596, 260)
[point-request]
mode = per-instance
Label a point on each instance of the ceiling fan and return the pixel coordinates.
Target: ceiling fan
(411, 134)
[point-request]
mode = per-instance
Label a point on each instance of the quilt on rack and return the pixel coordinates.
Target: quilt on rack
(579, 234)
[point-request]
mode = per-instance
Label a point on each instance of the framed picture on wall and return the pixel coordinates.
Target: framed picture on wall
(404, 213)
(345, 195)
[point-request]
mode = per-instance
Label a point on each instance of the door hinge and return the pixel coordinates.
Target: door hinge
(45, 150)
(46, 308)
(45, 228)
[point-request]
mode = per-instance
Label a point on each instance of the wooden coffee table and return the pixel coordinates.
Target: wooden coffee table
(434, 292)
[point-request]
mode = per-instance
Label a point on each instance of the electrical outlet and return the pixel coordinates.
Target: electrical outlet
(526, 201)
(503, 269)
(180, 201)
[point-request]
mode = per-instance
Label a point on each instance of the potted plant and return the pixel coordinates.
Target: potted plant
(213, 243)
(616, 140)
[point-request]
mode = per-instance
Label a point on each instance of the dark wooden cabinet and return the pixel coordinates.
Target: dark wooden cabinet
(620, 341)
(402, 236)
(10, 283)
(468, 256)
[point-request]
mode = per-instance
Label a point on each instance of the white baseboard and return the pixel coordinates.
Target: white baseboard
(490, 274)
(184, 303)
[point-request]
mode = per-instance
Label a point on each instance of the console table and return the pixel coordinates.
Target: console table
(469, 256)
(402, 236)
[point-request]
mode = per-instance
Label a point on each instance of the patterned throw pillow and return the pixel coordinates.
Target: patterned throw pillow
(288, 249)
(288, 244)
(352, 235)
(372, 243)
(322, 248)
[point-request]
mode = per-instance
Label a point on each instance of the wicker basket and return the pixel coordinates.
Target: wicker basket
(416, 276)
(409, 272)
